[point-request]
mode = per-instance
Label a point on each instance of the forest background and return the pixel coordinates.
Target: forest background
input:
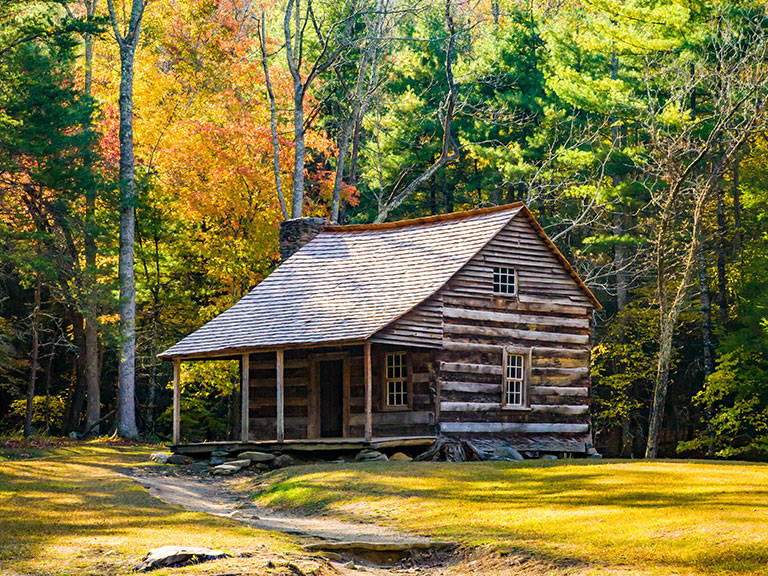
(149, 151)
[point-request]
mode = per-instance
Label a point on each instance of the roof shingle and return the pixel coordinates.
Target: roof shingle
(348, 283)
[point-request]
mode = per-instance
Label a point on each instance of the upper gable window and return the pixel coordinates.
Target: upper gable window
(504, 281)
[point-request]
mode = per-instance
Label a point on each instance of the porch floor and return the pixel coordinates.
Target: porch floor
(317, 445)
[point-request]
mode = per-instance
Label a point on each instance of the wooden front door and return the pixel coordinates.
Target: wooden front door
(330, 379)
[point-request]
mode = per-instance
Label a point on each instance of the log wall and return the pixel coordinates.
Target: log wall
(420, 421)
(550, 316)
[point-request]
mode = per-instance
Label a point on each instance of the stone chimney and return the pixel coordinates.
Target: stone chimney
(297, 232)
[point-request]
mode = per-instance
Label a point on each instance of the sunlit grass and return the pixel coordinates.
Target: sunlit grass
(607, 517)
(72, 513)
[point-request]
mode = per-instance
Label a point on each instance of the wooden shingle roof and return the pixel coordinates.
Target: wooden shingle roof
(348, 283)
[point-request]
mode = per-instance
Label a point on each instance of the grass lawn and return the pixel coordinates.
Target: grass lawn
(71, 512)
(600, 517)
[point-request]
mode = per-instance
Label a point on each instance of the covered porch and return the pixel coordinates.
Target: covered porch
(326, 399)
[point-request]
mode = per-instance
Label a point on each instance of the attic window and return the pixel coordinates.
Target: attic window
(504, 281)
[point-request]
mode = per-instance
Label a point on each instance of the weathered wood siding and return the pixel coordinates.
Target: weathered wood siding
(422, 326)
(550, 316)
(420, 421)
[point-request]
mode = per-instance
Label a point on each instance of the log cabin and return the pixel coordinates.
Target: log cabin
(466, 325)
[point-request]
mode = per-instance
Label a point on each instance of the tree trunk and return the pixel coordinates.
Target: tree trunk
(93, 409)
(126, 411)
(737, 232)
(272, 116)
(344, 138)
(722, 246)
(77, 400)
(33, 363)
(706, 332)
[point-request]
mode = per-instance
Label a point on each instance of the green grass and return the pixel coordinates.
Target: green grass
(601, 517)
(71, 512)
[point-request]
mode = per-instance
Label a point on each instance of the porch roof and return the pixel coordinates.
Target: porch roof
(348, 283)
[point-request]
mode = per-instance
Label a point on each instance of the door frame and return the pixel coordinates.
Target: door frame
(313, 400)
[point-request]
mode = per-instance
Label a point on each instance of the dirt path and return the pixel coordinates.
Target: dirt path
(216, 496)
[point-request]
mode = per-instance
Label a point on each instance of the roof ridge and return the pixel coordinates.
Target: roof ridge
(422, 220)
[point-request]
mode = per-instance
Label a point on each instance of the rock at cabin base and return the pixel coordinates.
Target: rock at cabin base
(217, 460)
(239, 463)
(505, 453)
(220, 454)
(159, 457)
(225, 470)
(283, 461)
(169, 556)
(548, 457)
(400, 457)
(179, 459)
(257, 456)
(595, 456)
(371, 456)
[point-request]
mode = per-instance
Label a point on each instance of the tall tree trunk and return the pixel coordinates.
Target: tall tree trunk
(33, 362)
(737, 231)
(706, 332)
(126, 413)
(338, 182)
(93, 409)
(272, 116)
(128, 41)
(77, 400)
(722, 246)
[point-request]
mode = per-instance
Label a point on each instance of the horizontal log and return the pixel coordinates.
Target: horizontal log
(516, 334)
(560, 391)
(393, 418)
(470, 368)
(471, 387)
(550, 352)
(524, 303)
(455, 346)
(557, 371)
(515, 318)
(271, 365)
(560, 408)
(500, 427)
(470, 406)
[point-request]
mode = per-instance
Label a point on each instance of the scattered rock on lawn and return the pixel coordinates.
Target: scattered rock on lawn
(595, 456)
(282, 461)
(257, 456)
(159, 457)
(179, 459)
(505, 453)
(225, 470)
(371, 456)
(400, 457)
(168, 556)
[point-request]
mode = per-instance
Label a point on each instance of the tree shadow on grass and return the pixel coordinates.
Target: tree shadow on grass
(654, 515)
(47, 506)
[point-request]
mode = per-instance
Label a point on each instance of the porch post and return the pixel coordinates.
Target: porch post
(368, 391)
(245, 384)
(176, 400)
(280, 398)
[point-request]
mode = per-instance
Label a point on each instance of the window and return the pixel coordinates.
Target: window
(504, 281)
(397, 380)
(514, 381)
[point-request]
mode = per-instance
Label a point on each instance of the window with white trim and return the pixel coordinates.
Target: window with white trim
(504, 281)
(397, 379)
(514, 381)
